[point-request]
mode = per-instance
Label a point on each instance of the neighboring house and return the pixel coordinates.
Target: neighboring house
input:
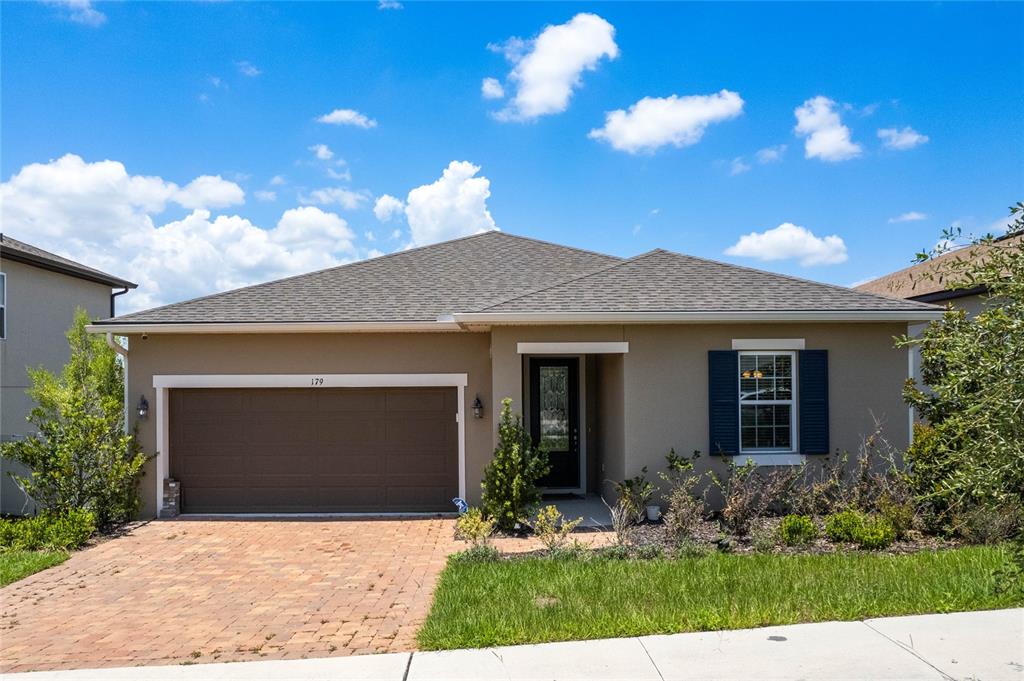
(376, 386)
(39, 293)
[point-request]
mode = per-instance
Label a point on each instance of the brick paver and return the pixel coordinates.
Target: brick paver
(218, 590)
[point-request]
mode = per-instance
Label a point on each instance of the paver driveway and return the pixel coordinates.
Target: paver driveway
(219, 590)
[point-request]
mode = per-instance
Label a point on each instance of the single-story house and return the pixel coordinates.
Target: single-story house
(376, 386)
(39, 293)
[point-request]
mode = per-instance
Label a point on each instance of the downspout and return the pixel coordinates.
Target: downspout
(123, 351)
(115, 295)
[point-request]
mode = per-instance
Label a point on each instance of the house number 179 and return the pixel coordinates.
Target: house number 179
(316, 380)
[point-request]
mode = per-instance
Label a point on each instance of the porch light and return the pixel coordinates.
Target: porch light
(478, 408)
(143, 408)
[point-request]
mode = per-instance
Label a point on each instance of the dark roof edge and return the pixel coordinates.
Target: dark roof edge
(82, 272)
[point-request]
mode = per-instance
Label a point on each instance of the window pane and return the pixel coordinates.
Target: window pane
(784, 389)
(747, 388)
(783, 366)
(554, 408)
(749, 436)
(782, 413)
(782, 437)
(764, 438)
(765, 415)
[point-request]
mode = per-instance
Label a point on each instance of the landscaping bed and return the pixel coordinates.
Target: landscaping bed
(537, 599)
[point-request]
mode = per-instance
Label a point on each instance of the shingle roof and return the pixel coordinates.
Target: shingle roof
(496, 272)
(925, 279)
(663, 281)
(413, 285)
(12, 249)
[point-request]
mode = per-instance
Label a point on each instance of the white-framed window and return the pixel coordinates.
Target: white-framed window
(767, 404)
(3, 306)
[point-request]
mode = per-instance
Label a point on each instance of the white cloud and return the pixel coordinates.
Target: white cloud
(322, 152)
(549, 68)
(344, 175)
(265, 195)
(347, 117)
(346, 198)
(278, 180)
(654, 122)
(387, 206)
(81, 12)
(370, 236)
(827, 138)
(738, 166)
(904, 139)
(102, 216)
(789, 241)
(210, 191)
(912, 216)
(248, 69)
(396, 234)
(389, 4)
(490, 88)
(217, 82)
(771, 154)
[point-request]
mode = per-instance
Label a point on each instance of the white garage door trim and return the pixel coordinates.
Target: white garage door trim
(163, 383)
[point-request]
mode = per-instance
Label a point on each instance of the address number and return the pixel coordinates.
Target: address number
(316, 380)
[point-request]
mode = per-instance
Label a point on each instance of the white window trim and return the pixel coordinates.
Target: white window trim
(163, 383)
(777, 456)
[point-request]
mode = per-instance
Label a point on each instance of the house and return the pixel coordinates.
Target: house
(39, 293)
(376, 386)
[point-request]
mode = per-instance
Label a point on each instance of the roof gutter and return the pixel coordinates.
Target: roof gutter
(696, 317)
(117, 347)
(129, 328)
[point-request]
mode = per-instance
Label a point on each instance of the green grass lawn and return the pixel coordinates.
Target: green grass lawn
(15, 565)
(535, 599)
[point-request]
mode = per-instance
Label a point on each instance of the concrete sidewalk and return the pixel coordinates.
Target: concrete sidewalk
(985, 645)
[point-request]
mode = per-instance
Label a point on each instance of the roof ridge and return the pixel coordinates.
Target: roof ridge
(570, 280)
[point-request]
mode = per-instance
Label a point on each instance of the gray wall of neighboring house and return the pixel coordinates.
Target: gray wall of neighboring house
(40, 308)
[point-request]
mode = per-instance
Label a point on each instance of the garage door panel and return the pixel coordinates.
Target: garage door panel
(314, 450)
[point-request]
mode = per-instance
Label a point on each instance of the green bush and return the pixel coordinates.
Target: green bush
(67, 530)
(901, 515)
(844, 526)
(510, 492)
(796, 530)
(474, 528)
(634, 494)
(875, 533)
(478, 553)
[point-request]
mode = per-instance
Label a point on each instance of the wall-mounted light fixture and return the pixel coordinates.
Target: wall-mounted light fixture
(478, 408)
(143, 408)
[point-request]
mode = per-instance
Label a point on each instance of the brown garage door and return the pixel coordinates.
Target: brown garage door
(314, 450)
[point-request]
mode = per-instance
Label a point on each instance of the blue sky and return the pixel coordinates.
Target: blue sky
(232, 92)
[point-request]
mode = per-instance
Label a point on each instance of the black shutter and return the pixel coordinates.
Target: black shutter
(813, 398)
(723, 401)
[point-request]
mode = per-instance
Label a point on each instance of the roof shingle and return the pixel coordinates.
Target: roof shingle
(20, 251)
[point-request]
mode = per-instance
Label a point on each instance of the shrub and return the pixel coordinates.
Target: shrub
(844, 526)
(763, 539)
(572, 551)
(479, 553)
(748, 493)
(691, 549)
(650, 552)
(634, 494)
(901, 515)
(80, 458)
(796, 530)
(621, 522)
(614, 552)
(875, 533)
(474, 527)
(510, 491)
(982, 524)
(685, 509)
(63, 531)
(552, 528)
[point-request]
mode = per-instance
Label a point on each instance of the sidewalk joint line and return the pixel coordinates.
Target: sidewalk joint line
(909, 650)
(653, 663)
(408, 664)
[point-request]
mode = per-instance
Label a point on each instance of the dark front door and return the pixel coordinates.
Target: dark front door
(555, 417)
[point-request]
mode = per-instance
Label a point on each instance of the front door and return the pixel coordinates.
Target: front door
(555, 418)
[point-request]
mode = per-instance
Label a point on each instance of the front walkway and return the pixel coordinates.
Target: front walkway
(981, 645)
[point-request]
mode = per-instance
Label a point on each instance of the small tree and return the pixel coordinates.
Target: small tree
(510, 491)
(972, 450)
(81, 458)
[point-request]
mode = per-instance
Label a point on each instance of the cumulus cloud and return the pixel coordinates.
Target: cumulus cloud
(389, 4)
(210, 191)
(346, 198)
(789, 241)
(490, 88)
(322, 152)
(771, 154)
(654, 122)
(347, 117)
(265, 195)
(248, 69)
(827, 138)
(387, 207)
(80, 12)
(99, 214)
(547, 69)
(454, 205)
(912, 216)
(278, 180)
(901, 139)
(738, 166)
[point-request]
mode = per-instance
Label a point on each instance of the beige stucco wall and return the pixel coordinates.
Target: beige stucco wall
(355, 353)
(40, 308)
